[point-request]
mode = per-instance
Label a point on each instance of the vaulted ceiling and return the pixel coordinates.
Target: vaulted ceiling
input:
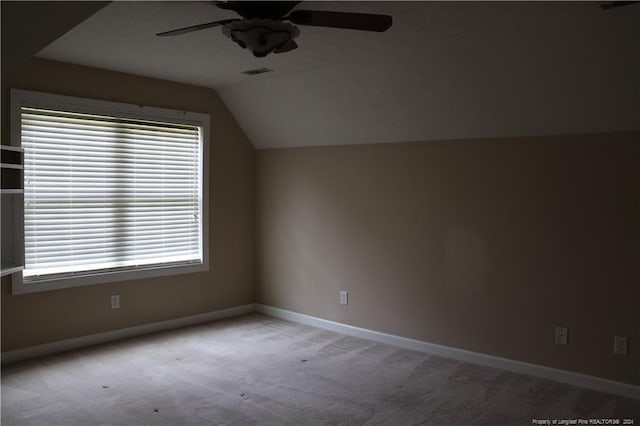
(444, 70)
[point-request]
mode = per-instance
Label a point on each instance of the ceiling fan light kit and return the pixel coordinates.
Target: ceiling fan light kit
(263, 29)
(261, 36)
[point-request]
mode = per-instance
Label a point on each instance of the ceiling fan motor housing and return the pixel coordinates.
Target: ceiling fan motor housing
(260, 36)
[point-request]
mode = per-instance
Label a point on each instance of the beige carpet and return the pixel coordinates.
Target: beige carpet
(259, 370)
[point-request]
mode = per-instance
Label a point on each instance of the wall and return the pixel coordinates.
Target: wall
(54, 315)
(484, 245)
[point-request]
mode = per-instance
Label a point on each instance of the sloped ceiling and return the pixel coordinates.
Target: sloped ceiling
(20, 41)
(444, 70)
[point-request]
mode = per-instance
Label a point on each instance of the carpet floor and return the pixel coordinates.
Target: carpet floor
(256, 369)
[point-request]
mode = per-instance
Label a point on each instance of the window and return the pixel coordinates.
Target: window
(111, 191)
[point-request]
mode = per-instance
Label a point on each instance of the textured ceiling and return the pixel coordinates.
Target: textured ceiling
(444, 70)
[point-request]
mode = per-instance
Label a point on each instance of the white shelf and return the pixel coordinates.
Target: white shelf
(11, 166)
(7, 271)
(12, 193)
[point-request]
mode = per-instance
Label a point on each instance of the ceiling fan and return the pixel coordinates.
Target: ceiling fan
(606, 5)
(263, 28)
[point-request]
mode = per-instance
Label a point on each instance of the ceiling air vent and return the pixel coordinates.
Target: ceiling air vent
(257, 71)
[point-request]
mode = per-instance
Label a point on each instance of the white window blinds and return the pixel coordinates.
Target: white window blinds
(106, 194)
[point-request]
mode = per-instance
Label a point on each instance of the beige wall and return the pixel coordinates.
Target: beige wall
(53, 315)
(484, 245)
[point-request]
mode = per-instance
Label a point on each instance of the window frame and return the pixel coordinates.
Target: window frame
(20, 98)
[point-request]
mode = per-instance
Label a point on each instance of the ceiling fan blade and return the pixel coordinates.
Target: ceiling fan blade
(195, 28)
(258, 9)
(287, 47)
(613, 4)
(347, 20)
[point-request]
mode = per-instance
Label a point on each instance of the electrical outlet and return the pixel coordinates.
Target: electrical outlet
(115, 301)
(562, 335)
(620, 345)
(344, 298)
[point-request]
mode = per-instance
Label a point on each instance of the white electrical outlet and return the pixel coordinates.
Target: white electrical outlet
(562, 335)
(115, 301)
(620, 345)
(344, 298)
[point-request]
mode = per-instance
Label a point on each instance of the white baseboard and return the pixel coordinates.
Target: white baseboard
(109, 336)
(575, 379)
